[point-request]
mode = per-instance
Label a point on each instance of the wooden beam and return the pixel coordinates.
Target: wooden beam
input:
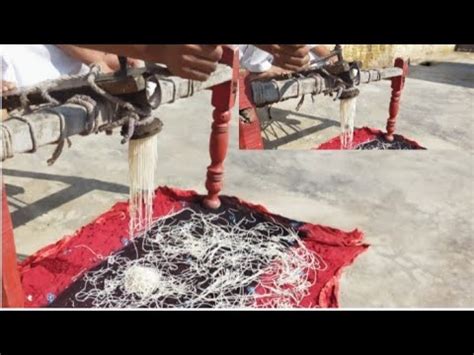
(46, 125)
(46, 122)
(268, 92)
(111, 83)
(134, 83)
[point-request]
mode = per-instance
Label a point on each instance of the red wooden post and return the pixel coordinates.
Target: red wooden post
(250, 133)
(12, 290)
(223, 99)
(397, 87)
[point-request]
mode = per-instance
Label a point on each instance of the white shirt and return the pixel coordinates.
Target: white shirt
(257, 60)
(27, 65)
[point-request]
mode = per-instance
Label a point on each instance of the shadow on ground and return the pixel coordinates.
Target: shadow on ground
(451, 73)
(77, 187)
(291, 127)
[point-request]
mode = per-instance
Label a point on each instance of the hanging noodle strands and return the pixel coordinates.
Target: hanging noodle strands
(193, 259)
(142, 161)
(347, 111)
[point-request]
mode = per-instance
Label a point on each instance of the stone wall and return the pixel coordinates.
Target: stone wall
(380, 55)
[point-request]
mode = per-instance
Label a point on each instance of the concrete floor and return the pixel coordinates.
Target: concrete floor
(414, 207)
(436, 109)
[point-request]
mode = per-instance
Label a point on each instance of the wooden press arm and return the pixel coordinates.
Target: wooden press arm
(172, 87)
(46, 122)
(272, 91)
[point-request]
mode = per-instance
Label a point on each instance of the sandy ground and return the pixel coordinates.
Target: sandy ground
(415, 207)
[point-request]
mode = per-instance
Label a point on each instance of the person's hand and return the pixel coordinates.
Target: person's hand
(269, 74)
(190, 61)
(6, 86)
(135, 63)
(106, 67)
(110, 63)
(195, 62)
(323, 51)
(292, 57)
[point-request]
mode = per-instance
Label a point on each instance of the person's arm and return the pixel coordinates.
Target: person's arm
(6, 86)
(134, 51)
(292, 57)
(108, 62)
(269, 74)
(85, 55)
(189, 61)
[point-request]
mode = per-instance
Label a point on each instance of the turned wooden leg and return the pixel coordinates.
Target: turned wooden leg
(397, 87)
(218, 151)
(12, 290)
(223, 99)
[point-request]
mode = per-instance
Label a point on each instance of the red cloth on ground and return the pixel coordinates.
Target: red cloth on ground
(361, 136)
(52, 269)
